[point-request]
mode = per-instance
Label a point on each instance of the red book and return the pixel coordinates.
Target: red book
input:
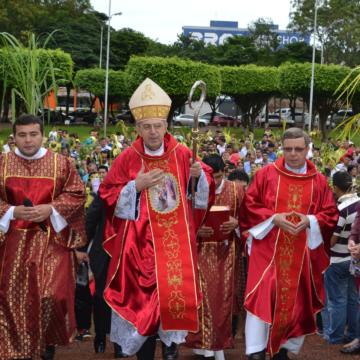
(217, 216)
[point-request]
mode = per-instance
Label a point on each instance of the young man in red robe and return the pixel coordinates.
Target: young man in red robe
(221, 271)
(286, 219)
(152, 285)
(38, 268)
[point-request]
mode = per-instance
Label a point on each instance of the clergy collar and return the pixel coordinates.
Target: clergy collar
(157, 152)
(297, 171)
(42, 152)
(219, 189)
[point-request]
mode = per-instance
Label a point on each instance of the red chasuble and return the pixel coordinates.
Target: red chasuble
(285, 283)
(153, 269)
(221, 278)
(38, 269)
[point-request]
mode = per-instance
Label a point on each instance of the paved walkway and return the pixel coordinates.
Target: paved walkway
(314, 348)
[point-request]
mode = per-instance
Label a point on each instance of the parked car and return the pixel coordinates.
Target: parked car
(208, 115)
(316, 123)
(125, 117)
(90, 118)
(274, 120)
(55, 114)
(284, 111)
(80, 113)
(341, 116)
(225, 121)
(188, 120)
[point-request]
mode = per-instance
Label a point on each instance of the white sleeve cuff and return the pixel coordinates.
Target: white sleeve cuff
(202, 193)
(260, 231)
(126, 206)
(5, 220)
(314, 233)
(57, 221)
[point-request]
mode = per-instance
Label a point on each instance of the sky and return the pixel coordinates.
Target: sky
(164, 19)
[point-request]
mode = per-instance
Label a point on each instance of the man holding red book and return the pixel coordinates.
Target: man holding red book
(286, 221)
(221, 269)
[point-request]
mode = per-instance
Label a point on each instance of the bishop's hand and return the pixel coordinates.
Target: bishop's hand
(145, 181)
(195, 169)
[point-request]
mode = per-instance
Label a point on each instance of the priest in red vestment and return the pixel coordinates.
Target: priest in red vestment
(152, 285)
(38, 268)
(217, 265)
(286, 220)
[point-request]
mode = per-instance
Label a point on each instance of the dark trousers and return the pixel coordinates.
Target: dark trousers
(147, 351)
(83, 307)
(102, 311)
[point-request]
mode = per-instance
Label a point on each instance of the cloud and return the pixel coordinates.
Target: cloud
(163, 20)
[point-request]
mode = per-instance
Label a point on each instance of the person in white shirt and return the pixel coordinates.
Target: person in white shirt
(105, 158)
(6, 147)
(53, 132)
(104, 145)
(222, 145)
(246, 149)
(178, 136)
(344, 166)
(102, 172)
(258, 159)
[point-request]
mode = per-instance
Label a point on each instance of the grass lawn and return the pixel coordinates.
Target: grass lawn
(83, 132)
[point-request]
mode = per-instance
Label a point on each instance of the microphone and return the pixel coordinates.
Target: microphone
(28, 203)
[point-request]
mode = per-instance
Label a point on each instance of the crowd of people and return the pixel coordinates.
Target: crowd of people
(156, 263)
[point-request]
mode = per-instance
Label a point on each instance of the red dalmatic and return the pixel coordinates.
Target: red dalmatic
(222, 280)
(285, 283)
(38, 269)
(153, 269)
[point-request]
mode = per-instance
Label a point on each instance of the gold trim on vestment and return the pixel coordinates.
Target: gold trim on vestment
(265, 270)
(55, 173)
(2, 263)
(298, 176)
(5, 167)
(106, 242)
(202, 312)
(277, 192)
(30, 177)
(153, 157)
(43, 262)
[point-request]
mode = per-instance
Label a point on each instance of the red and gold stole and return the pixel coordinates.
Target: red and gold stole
(168, 217)
(296, 195)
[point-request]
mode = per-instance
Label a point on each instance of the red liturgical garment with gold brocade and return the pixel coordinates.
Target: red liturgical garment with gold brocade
(285, 283)
(153, 269)
(38, 269)
(222, 280)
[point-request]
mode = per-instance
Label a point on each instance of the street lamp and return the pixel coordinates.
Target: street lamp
(313, 62)
(107, 67)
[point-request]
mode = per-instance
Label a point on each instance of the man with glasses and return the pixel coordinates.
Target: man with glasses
(286, 220)
(146, 196)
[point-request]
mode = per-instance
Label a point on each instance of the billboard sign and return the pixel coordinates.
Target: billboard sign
(219, 31)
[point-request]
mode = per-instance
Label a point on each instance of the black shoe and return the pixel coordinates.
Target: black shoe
(119, 354)
(50, 353)
(87, 333)
(79, 337)
(169, 352)
(99, 345)
(281, 355)
(230, 347)
(258, 356)
(353, 349)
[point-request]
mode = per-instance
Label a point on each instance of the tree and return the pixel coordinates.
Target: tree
(93, 80)
(297, 52)
(250, 87)
(295, 79)
(20, 17)
(127, 42)
(175, 76)
(341, 41)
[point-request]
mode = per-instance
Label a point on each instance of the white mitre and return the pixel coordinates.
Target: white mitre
(150, 101)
